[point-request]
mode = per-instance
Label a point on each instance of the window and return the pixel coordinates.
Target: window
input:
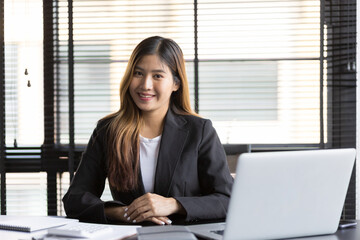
(258, 70)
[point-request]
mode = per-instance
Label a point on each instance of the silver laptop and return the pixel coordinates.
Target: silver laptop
(285, 195)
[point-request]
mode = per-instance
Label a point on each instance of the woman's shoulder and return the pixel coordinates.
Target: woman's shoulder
(103, 124)
(105, 121)
(196, 125)
(194, 120)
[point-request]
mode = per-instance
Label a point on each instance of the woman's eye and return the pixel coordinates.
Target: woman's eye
(137, 73)
(157, 76)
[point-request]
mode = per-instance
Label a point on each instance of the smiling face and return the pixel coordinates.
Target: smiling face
(152, 85)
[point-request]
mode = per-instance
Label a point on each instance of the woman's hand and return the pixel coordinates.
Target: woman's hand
(120, 214)
(116, 213)
(152, 207)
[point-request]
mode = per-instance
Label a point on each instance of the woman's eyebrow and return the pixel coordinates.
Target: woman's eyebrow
(139, 68)
(155, 70)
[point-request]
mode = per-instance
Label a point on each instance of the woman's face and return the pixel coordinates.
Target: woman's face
(152, 85)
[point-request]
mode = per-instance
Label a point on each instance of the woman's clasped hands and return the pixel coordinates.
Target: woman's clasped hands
(149, 207)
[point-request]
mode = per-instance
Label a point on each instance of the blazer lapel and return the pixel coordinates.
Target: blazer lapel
(172, 143)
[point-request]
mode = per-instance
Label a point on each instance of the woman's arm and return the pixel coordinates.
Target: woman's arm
(82, 200)
(215, 181)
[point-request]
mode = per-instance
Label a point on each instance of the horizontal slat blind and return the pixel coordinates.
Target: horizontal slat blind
(340, 16)
(24, 132)
(258, 63)
(260, 29)
(259, 70)
(26, 193)
(24, 66)
(11, 95)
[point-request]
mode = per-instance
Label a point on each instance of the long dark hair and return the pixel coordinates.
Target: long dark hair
(124, 126)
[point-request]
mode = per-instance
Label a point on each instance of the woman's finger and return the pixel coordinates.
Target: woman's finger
(140, 214)
(138, 203)
(166, 220)
(156, 220)
(151, 205)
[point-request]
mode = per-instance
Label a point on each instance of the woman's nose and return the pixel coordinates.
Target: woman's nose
(147, 82)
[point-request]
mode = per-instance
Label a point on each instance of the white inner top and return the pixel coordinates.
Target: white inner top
(149, 151)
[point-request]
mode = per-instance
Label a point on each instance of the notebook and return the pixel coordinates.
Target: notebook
(32, 223)
(284, 195)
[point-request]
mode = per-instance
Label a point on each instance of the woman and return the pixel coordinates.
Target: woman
(161, 159)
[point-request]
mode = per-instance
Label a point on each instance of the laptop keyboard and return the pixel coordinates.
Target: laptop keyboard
(219, 232)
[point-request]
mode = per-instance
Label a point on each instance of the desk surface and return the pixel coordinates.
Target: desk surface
(349, 234)
(352, 233)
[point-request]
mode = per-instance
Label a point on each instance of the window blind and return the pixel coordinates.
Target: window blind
(340, 17)
(258, 63)
(27, 190)
(23, 72)
(22, 116)
(259, 70)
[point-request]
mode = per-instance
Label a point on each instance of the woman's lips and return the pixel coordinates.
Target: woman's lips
(145, 97)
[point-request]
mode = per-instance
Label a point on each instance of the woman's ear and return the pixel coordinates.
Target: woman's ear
(176, 85)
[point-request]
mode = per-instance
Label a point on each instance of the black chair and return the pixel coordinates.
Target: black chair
(232, 153)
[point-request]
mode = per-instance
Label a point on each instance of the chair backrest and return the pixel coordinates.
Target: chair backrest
(232, 153)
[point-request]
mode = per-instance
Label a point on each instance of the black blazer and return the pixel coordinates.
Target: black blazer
(191, 167)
